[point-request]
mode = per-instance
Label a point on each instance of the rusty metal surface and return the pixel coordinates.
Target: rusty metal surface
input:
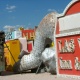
(47, 24)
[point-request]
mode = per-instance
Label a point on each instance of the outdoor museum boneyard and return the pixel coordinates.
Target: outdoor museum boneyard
(53, 46)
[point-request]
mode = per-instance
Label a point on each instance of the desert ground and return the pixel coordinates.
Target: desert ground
(32, 76)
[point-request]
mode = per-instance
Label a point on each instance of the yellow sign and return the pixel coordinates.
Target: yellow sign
(21, 28)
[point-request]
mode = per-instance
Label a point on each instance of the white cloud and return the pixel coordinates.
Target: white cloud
(12, 28)
(9, 28)
(10, 8)
(50, 10)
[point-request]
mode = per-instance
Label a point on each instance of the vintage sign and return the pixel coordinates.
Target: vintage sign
(68, 40)
(29, 34)
(68, 46)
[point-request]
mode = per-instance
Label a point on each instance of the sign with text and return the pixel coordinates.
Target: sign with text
(29, 34)
(68, 49)
(68, 40)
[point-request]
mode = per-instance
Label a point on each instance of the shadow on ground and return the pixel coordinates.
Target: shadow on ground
(5, 73)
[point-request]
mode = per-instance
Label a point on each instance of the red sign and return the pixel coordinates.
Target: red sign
(68, 49)
(29, 34)
(29, 46)
(68, 40)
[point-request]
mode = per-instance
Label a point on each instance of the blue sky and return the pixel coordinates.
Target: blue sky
(27, 13)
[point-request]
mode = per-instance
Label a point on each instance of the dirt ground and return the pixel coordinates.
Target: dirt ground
(32, 76)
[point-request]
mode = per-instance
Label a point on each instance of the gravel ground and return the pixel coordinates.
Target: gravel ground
(32, 76)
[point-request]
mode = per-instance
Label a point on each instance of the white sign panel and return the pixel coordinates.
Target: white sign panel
(69, 22)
